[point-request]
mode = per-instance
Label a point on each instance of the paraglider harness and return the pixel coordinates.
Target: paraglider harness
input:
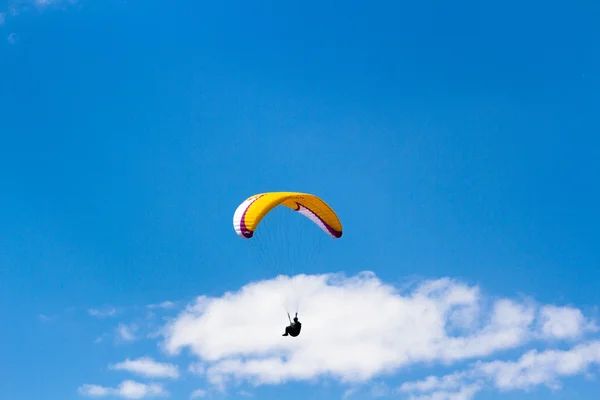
(293, 329)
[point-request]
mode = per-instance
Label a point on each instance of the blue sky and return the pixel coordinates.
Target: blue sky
(454, 140)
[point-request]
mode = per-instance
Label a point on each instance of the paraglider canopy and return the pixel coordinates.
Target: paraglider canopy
(248, 215)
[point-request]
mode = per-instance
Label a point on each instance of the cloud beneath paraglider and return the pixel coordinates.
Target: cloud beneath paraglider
(357, 328)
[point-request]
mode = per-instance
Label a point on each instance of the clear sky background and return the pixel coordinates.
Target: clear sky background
(454, 139)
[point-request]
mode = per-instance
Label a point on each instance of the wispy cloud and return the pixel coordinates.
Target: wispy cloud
(22, 6)
(127, 333)
(147, 367)
(349, 392)
(163, 305)
(433, 383)
(50, 2)
(44, 318)
(541, 368)
(196, 368)
(534, 368)
(198, 393)
(127, 389)
(102, 313)
(379, 390)
(466, 392)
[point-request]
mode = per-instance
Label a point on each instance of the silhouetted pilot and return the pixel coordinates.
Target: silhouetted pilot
(294, 328)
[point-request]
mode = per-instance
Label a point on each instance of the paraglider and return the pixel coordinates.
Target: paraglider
(251, 212)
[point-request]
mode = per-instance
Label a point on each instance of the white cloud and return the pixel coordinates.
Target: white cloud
(110, 312)
(455, 386)
(12, 38)
(96, 390)
(534, 368)
(353, 328)
(563, 322)
(127, 389)
(198, 393)
(127, 332)
(433, 383)
(466, 392)
(163, 305)
(146, 366)
(509, 327)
